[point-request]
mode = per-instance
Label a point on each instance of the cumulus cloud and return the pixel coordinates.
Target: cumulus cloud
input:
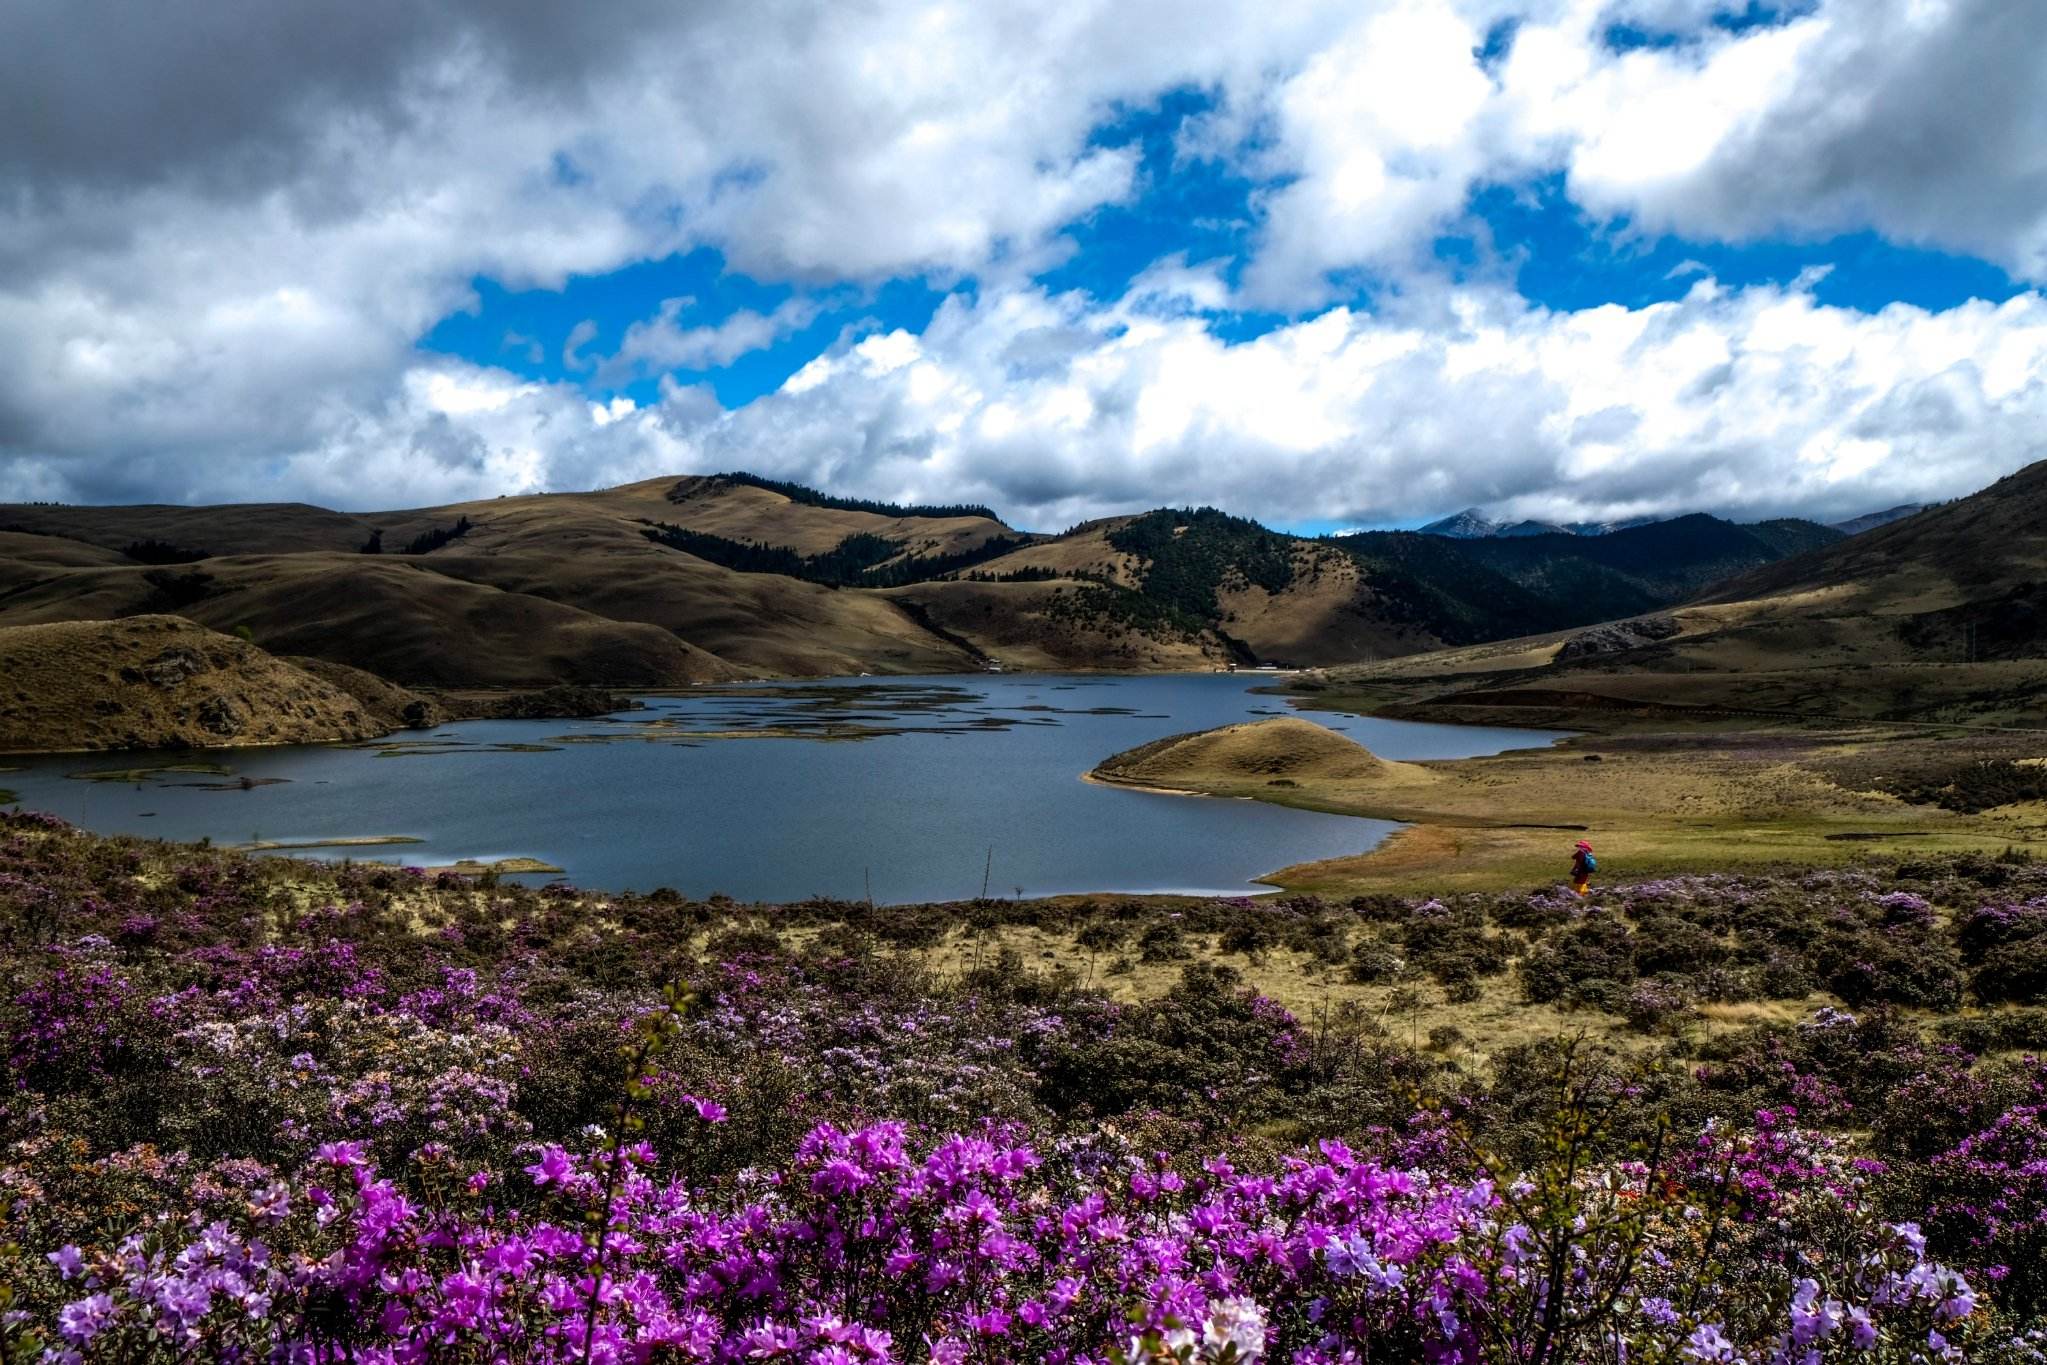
(1923, 119)
(224, 232)
(1751, 402)
(1379, 138)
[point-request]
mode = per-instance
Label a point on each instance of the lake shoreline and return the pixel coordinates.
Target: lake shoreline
(956, 776)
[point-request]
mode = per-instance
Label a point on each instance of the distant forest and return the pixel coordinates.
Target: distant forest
(859, 561)
(425, 543)
(153, 551)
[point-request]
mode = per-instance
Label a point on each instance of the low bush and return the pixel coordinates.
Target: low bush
(256, 1110)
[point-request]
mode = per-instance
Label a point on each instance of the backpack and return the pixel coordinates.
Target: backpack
(1591, 863)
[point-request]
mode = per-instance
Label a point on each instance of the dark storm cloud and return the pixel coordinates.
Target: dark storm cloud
(230, 93)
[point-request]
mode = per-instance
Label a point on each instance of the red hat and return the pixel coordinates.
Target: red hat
(1582, 844)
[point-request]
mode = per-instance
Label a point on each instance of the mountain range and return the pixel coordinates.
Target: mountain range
(679, 580)
(1937, 616)
(1473, 524)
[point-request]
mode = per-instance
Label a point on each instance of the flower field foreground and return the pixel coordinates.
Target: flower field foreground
(262, 1111)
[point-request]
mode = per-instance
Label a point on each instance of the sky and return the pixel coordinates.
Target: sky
(1328, 264)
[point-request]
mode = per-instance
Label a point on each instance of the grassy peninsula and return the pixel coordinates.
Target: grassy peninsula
(1653, 801)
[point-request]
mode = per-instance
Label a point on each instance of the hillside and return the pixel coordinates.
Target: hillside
(1282, 751)
(1567, 579)
(1278, 598)
(674, 581)
(1940, 616)
(535, 590)
(158, 682)
(1869, 521)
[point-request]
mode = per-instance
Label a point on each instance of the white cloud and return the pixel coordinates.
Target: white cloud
(217, 254)
(661, 343)
(526, 347)
(1751, 402)
(580, 336)
(1381, 134)
(1925, 120)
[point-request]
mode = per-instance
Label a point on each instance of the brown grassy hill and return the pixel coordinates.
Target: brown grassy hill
(670, 581)
(539, 589)
(232, 528)
(1083, 550)
(392, 707)
(393, 615)
(1284, 749)
(743, 512)
(154, 682)
(588, 552)
(1939, 618)
(29, 559)
(24, 554)
(562, 588)
(1329, 612)
(1964, 580)
(1036, 626)
(1334, 606)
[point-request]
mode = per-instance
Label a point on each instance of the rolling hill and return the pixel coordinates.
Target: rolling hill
(673, 581)
(1278, 598)
(1937, 617)
(155, 682)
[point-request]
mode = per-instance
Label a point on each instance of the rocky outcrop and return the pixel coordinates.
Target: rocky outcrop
(1618, 637)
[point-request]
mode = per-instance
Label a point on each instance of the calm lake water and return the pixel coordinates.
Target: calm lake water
(778, 791)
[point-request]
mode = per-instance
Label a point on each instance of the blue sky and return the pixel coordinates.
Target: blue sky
(1528, 234)
(1326, 263)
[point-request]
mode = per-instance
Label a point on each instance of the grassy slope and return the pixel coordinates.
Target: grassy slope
(1084, 549)
(739, 512)
(393, 615)
(1390, 594)
(160, 682)
(558, 588)
(1653, 803)
(586, 551)
(1284, 749)
(1936, 620)
(235, 528)
(1331, 611)
(1020, 626)
(565, 587)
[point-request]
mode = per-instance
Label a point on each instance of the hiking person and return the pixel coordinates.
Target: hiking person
(1583, 865)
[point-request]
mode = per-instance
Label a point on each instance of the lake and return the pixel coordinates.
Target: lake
(906, 789)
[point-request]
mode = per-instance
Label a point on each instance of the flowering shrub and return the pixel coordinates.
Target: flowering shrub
(870, 1246)
(274, 1112)
(1657, 1003)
